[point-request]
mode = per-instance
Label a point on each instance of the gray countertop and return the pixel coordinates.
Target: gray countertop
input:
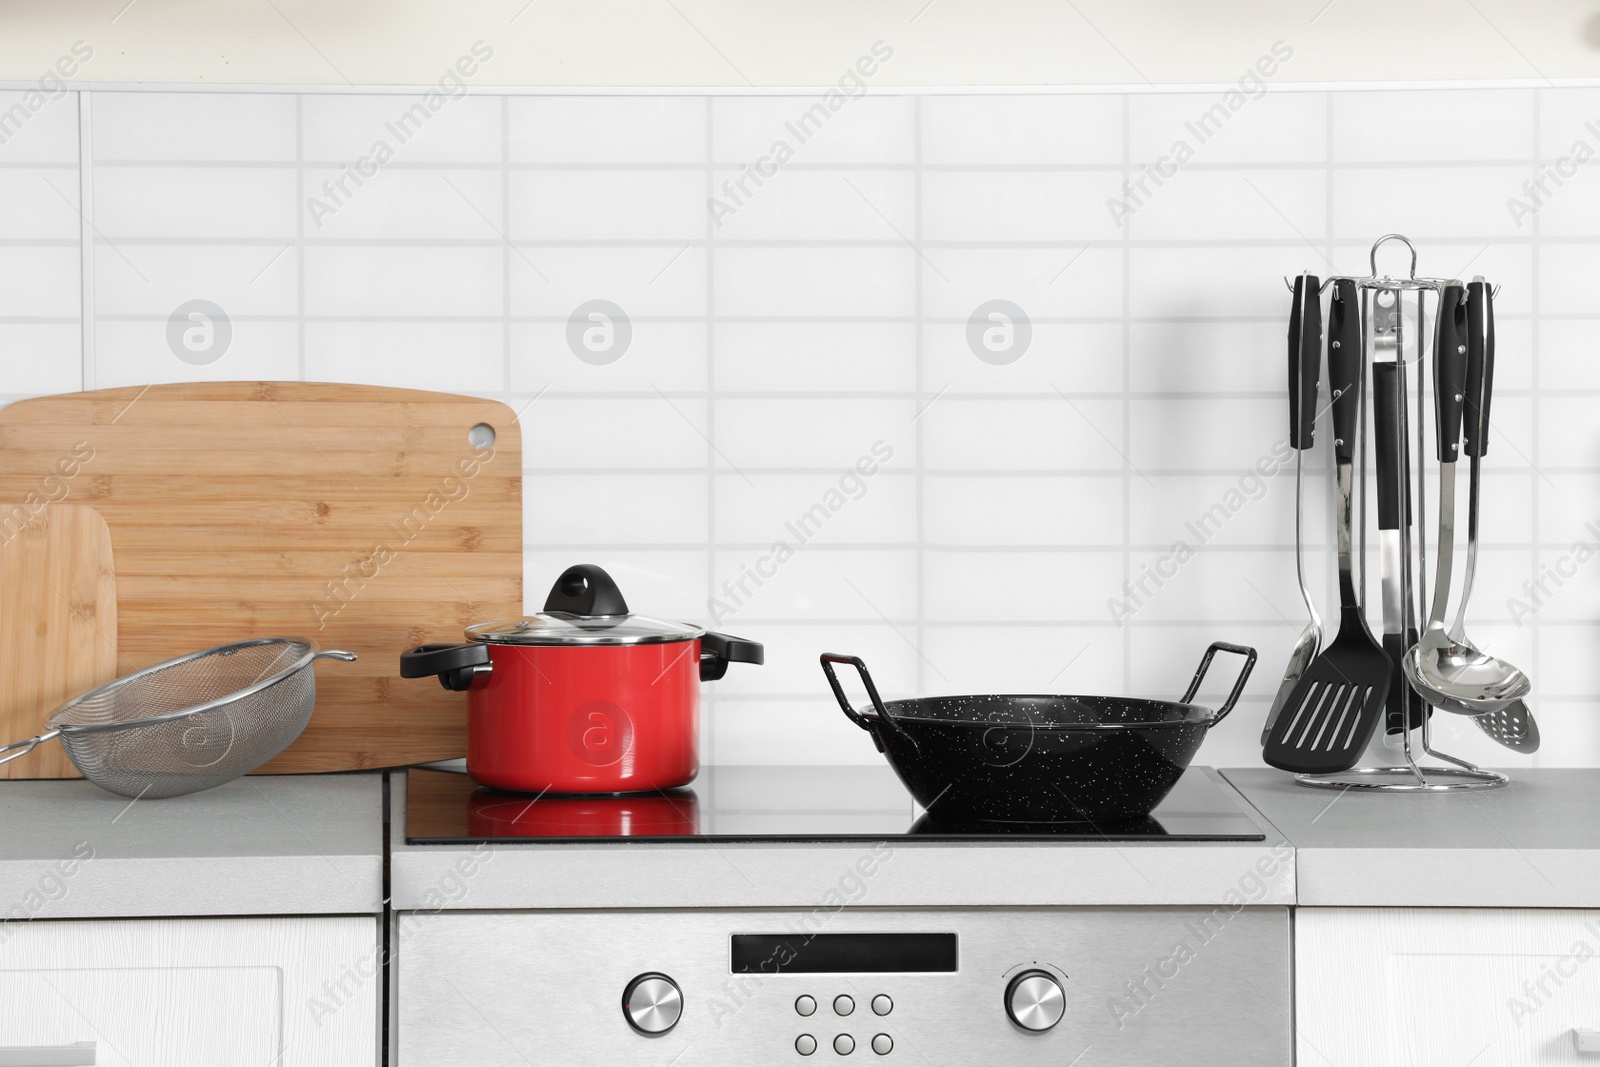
(1533, 843)
(296, 845)
(314, 845)
(909, 872)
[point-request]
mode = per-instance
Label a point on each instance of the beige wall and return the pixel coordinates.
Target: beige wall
(739, 43)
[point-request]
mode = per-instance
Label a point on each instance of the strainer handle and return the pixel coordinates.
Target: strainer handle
(348, 657)
(26, 746)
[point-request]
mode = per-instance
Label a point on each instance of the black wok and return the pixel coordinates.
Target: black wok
(1039, 759)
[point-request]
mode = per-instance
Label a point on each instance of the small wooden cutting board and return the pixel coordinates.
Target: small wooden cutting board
(58, 621)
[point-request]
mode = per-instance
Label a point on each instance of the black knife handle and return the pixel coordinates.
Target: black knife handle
(1344, 367)
(1388, 438)
(1305, 352)
(1480, 368)
(1450, 371)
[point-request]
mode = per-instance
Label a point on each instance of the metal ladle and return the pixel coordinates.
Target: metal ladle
(1449, 671)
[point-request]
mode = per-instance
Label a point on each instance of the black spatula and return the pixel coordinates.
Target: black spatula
(1330, 717)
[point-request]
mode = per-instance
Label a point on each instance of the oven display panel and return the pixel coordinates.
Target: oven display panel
(800, 953)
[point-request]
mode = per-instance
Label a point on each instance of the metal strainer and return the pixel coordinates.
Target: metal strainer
(190, 723)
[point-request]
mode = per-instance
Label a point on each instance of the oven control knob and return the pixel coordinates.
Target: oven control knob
(652, 1003)
(1035, 1000)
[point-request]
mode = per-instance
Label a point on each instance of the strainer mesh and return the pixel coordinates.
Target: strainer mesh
(166, 758)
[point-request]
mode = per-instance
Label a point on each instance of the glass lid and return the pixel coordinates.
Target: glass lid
(559, 628)
(584, 607)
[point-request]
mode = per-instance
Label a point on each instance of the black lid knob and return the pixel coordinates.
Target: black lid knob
(586, 590)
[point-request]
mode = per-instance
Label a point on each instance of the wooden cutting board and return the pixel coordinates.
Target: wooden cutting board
(362, 518)
(58, 620)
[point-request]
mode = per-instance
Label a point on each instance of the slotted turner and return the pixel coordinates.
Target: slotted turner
(1331, 715)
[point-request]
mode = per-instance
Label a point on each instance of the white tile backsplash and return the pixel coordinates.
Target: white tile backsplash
(1434, 126)
(993, 131)
(370, 281)
(40, 357)
(817, 282)
(1077, 281)
(1024, 206)
(805, 205)
(341, 129)
(869, 509)
(1243, 205)
(39, 203)
(865, 129)
(38, 281)
(797, 357)
(396, 204)
(247, 280)
(48, 135)
(599, 205)
(257, 351)
(669, 356)
(199, 201)
(457, 357)
(1275, 128)
(656, 280)
(622, 130)
(597, 509)
(194, 127)
(773, 339)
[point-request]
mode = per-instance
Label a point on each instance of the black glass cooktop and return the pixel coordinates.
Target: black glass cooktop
(777, 804)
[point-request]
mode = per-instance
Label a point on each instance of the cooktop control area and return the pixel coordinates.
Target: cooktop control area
(1001, 986)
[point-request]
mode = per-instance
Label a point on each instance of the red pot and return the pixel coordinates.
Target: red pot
(583, 697)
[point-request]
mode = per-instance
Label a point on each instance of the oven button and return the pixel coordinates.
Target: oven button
(843, 1005)
(1035, 1000)
(882, 1005)
(805, 1044)
(652, 1004)
(844, 1044)
(804, 1006)
(883, 1044)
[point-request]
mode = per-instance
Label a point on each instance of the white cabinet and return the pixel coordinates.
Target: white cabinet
(286, 992)
(1445, 987)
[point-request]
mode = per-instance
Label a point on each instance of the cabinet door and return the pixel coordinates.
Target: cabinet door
(1445, 987)
(191, 992)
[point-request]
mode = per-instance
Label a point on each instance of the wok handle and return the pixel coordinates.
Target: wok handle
(828, 660)
(1249, 655)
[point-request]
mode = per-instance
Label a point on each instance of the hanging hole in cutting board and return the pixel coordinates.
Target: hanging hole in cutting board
(481, 436)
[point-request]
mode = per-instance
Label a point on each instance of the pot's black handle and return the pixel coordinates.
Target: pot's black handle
(586, 590)
(458, 666)
(719, 650)
(1249, 655)
(828, 660)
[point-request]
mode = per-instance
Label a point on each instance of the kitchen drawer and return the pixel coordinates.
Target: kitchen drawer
(295, 992)
(1445, 987)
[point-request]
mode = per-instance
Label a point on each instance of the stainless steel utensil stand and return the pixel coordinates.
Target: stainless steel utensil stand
(1411, 777)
